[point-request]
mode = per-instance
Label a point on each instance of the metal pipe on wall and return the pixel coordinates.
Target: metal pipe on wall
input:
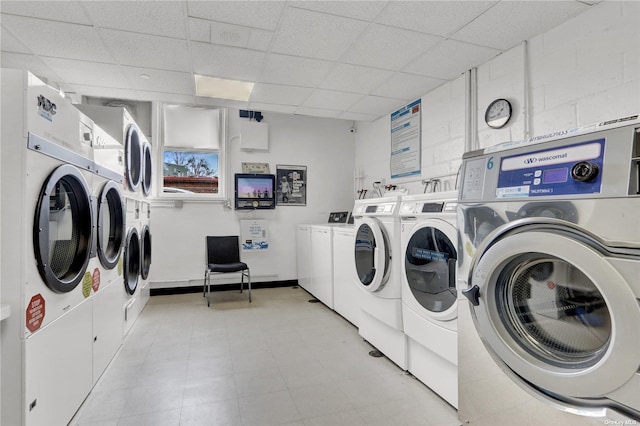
(471, 116)
(525, 84)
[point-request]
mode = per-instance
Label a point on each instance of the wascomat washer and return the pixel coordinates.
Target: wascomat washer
(377, 266)
(47, 239)
(429, 296)
(132, 266)
(548, 331)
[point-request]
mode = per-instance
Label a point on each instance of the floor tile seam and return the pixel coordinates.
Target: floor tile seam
(80, 413)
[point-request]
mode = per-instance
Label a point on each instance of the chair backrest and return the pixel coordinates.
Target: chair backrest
(224, 249)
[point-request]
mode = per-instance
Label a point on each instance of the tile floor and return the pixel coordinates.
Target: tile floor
(277, 361)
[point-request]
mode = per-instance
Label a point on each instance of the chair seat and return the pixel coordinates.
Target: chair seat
(227, 267)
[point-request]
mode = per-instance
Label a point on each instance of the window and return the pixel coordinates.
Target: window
(193, 151)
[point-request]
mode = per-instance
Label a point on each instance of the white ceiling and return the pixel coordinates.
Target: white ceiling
(353, 60)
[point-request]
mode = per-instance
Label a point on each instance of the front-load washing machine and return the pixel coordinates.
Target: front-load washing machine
(377, 265)
(131, 264)
(117, 121)
(47, 239)
(429, 296)
(145, 252)
(548, 332)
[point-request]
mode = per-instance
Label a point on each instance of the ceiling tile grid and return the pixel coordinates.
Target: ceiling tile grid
(352, 60)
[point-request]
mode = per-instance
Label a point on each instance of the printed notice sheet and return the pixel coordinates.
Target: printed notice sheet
(406, 138)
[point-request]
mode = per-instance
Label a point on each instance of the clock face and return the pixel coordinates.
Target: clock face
(498, 113)
(255, 203)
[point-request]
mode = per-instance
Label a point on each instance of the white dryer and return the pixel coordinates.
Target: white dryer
(377, 274)
(550, 327)
(47, 238)
(429, 296)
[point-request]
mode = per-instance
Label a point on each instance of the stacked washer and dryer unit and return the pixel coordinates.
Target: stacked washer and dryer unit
(61, 334)
(429, 296)
(135, 164)
(550, 267)
(377, 265)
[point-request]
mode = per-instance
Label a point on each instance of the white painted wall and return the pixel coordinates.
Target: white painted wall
(325, 146)
(584, 71)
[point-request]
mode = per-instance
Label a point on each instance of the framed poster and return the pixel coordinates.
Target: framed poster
(291, 182)
(254, 234)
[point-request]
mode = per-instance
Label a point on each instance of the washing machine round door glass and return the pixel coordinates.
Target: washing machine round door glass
(131, 270)
(63, 229)
(430, 269)
(555, 309)
(146, 172)
(372, 256)
(145, 253)
(133, 157)
(111, 225)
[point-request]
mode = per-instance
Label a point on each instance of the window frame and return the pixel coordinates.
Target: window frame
(222, 153)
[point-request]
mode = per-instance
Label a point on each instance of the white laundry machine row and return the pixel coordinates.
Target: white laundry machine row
(429, 296)
(49, 239)
(377, 261)
(347, 296)
(550, 265)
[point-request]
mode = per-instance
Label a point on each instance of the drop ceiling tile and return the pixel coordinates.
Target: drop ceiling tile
(199, 30)
(362, 10)
(354, 78)
(449, 59)
(294, 71)
(279, 94)
(260, 106)
(105, 92)
(328, 99)
(160, 81)
(62, 11)
(260, 39)
(356, 116)
(317, 112)
(509, 23)
(29, 62)
(388, 48)
(165, 97)
(142, 50)
(58, 39)
(376, 105)
(257, 14)
(315, 35)
(88, 73)
(229, 34)
(407, 86)
(226, 62)
(162, 18)
(11, 44)
(439, 18)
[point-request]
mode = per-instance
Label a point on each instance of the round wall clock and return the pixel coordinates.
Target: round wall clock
(498, 113)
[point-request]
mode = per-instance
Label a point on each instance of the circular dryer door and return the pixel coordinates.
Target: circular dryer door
(133, 157)
(557, 312)
(146, 172)
(111, 225)
(131, 261)
(145, 239)
(430, 267)
(63, 229)
(372, 255)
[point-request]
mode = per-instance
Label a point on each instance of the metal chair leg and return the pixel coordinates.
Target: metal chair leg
(249, 282)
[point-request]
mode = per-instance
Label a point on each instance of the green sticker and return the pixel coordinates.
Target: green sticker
(87, 281)
(120, 266)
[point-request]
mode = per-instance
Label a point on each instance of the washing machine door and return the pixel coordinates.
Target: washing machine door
(145, 252)
(111, 225)
(146, 172)
(553, 307)
(63, 229)
(372, 254)
(131, 271)
(133, 157)
(430, 267)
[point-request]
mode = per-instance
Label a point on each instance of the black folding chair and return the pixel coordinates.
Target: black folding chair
(223, 257)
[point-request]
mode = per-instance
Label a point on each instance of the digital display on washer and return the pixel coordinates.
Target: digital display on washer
(371, 209)
(432, 207)
(548, 172)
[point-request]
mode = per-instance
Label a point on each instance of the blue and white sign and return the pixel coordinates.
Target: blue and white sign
(254, 234)
(548, 172)
(406, 136)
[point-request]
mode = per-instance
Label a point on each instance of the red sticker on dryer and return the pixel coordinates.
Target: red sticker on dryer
(35, 313)
(95, 284)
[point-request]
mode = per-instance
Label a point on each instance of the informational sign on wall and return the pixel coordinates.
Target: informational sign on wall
(254, 235)
(406, 137)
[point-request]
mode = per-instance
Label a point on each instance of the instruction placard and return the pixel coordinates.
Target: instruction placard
(406, 137)
(254, 234)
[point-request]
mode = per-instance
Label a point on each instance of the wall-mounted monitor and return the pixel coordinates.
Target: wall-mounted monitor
(255, 191)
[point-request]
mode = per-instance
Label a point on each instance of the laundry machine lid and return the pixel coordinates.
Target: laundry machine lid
(557, 312)
(63, 229)
(429, 267)
(372, 254)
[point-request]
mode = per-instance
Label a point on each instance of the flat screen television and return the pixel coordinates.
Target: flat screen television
(255, 191)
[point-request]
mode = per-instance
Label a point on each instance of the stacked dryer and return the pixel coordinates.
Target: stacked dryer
(137, 172)
(377, 266)
(47, 240)
(429, 296)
